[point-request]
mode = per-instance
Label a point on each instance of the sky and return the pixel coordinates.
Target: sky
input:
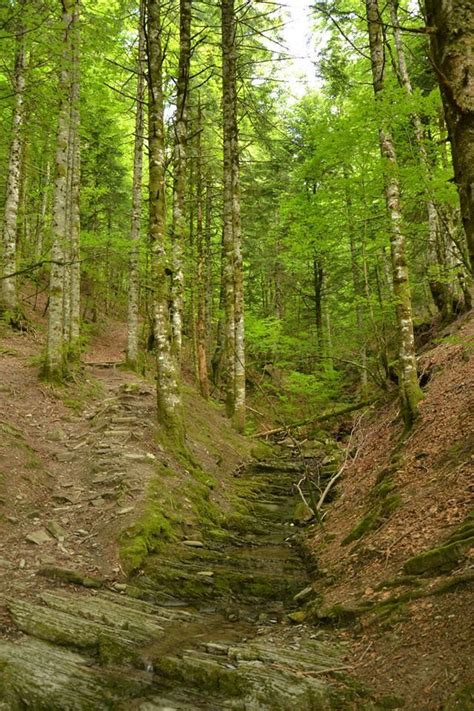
(300, 72)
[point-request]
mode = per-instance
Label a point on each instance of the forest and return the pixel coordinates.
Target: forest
(236, 347)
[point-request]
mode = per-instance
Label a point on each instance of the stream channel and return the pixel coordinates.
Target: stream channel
(213, 631)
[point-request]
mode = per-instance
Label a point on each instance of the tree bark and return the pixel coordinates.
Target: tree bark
(9, 298)
(75, 216)
(133, 272)
(178, 231)
(233, 267)
(201, 342)
(452, 50)
(410, 392)
(168, 390)
(54, 363)
(438, 273)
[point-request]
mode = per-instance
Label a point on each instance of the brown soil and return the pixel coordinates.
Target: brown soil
(424, 653)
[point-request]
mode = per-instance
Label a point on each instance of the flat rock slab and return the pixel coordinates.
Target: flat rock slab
(38, 537)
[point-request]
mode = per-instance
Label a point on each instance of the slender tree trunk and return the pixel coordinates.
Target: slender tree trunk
(9, 298)
(54, 363)
(75, 216)
(168, 391)
(318, 279)
(357, 282)
(410, 391)
(452, 50)
(233, 268)
(201, 350)
(179, 182)
(133, 271)
(438, 273)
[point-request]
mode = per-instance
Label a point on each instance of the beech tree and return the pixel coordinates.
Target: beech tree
(410, 391)
(9, 300)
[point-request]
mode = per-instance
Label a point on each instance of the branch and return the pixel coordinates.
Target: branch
(320, 418)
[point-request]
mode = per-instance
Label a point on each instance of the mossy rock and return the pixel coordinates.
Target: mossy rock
(444, 558)
(71, 576)
(261, 451)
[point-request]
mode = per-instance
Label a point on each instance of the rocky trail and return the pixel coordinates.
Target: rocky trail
(210, 629)
(208, 641)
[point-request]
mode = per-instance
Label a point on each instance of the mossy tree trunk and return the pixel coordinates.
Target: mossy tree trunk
(54, 362)
(452, 50)
(410, 392)
(439, 276)
(168, 390)
(178, 230)
(133, 271)
(233, 266)
(201, 292)
(9, 298)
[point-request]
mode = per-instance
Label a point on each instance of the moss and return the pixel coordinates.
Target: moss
(374, 518)
(462, 699)
(443, 558)
(71, 576)
(261, 451)
(367, 523)
(143, 538)
(390, 702)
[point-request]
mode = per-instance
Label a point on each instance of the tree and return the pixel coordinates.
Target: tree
(410, 391)
(452, 48)
(233, 269)
(9, 298)
(55, 351)
(167, 380)
(133, 273)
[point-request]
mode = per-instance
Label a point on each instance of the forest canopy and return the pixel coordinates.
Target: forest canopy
(290, 250)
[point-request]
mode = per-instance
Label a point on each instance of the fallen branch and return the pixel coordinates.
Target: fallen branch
(320, 418)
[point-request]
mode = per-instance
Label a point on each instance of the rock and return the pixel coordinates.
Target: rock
(38, 537)
(121, 587)
(302, 512)
(65, 456)
(57, 531)
(303, 594)
(4, 563)
(206, 573)
(56, 435)
(193, 544)
(297, 617)
(70, 576)
(126, 510)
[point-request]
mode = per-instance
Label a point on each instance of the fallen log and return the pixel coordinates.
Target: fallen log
(320, 418)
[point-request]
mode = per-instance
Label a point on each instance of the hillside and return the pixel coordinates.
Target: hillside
(393, 558)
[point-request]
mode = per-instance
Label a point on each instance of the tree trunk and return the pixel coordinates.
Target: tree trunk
(201, 343)
(438, 274)
(233, 268)
(410, 391)
(452, 50)
(54, 363)
(178, 231)
(133, 271)
(168, 391)
(9, 298)
(75, 216)
(318, 279)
